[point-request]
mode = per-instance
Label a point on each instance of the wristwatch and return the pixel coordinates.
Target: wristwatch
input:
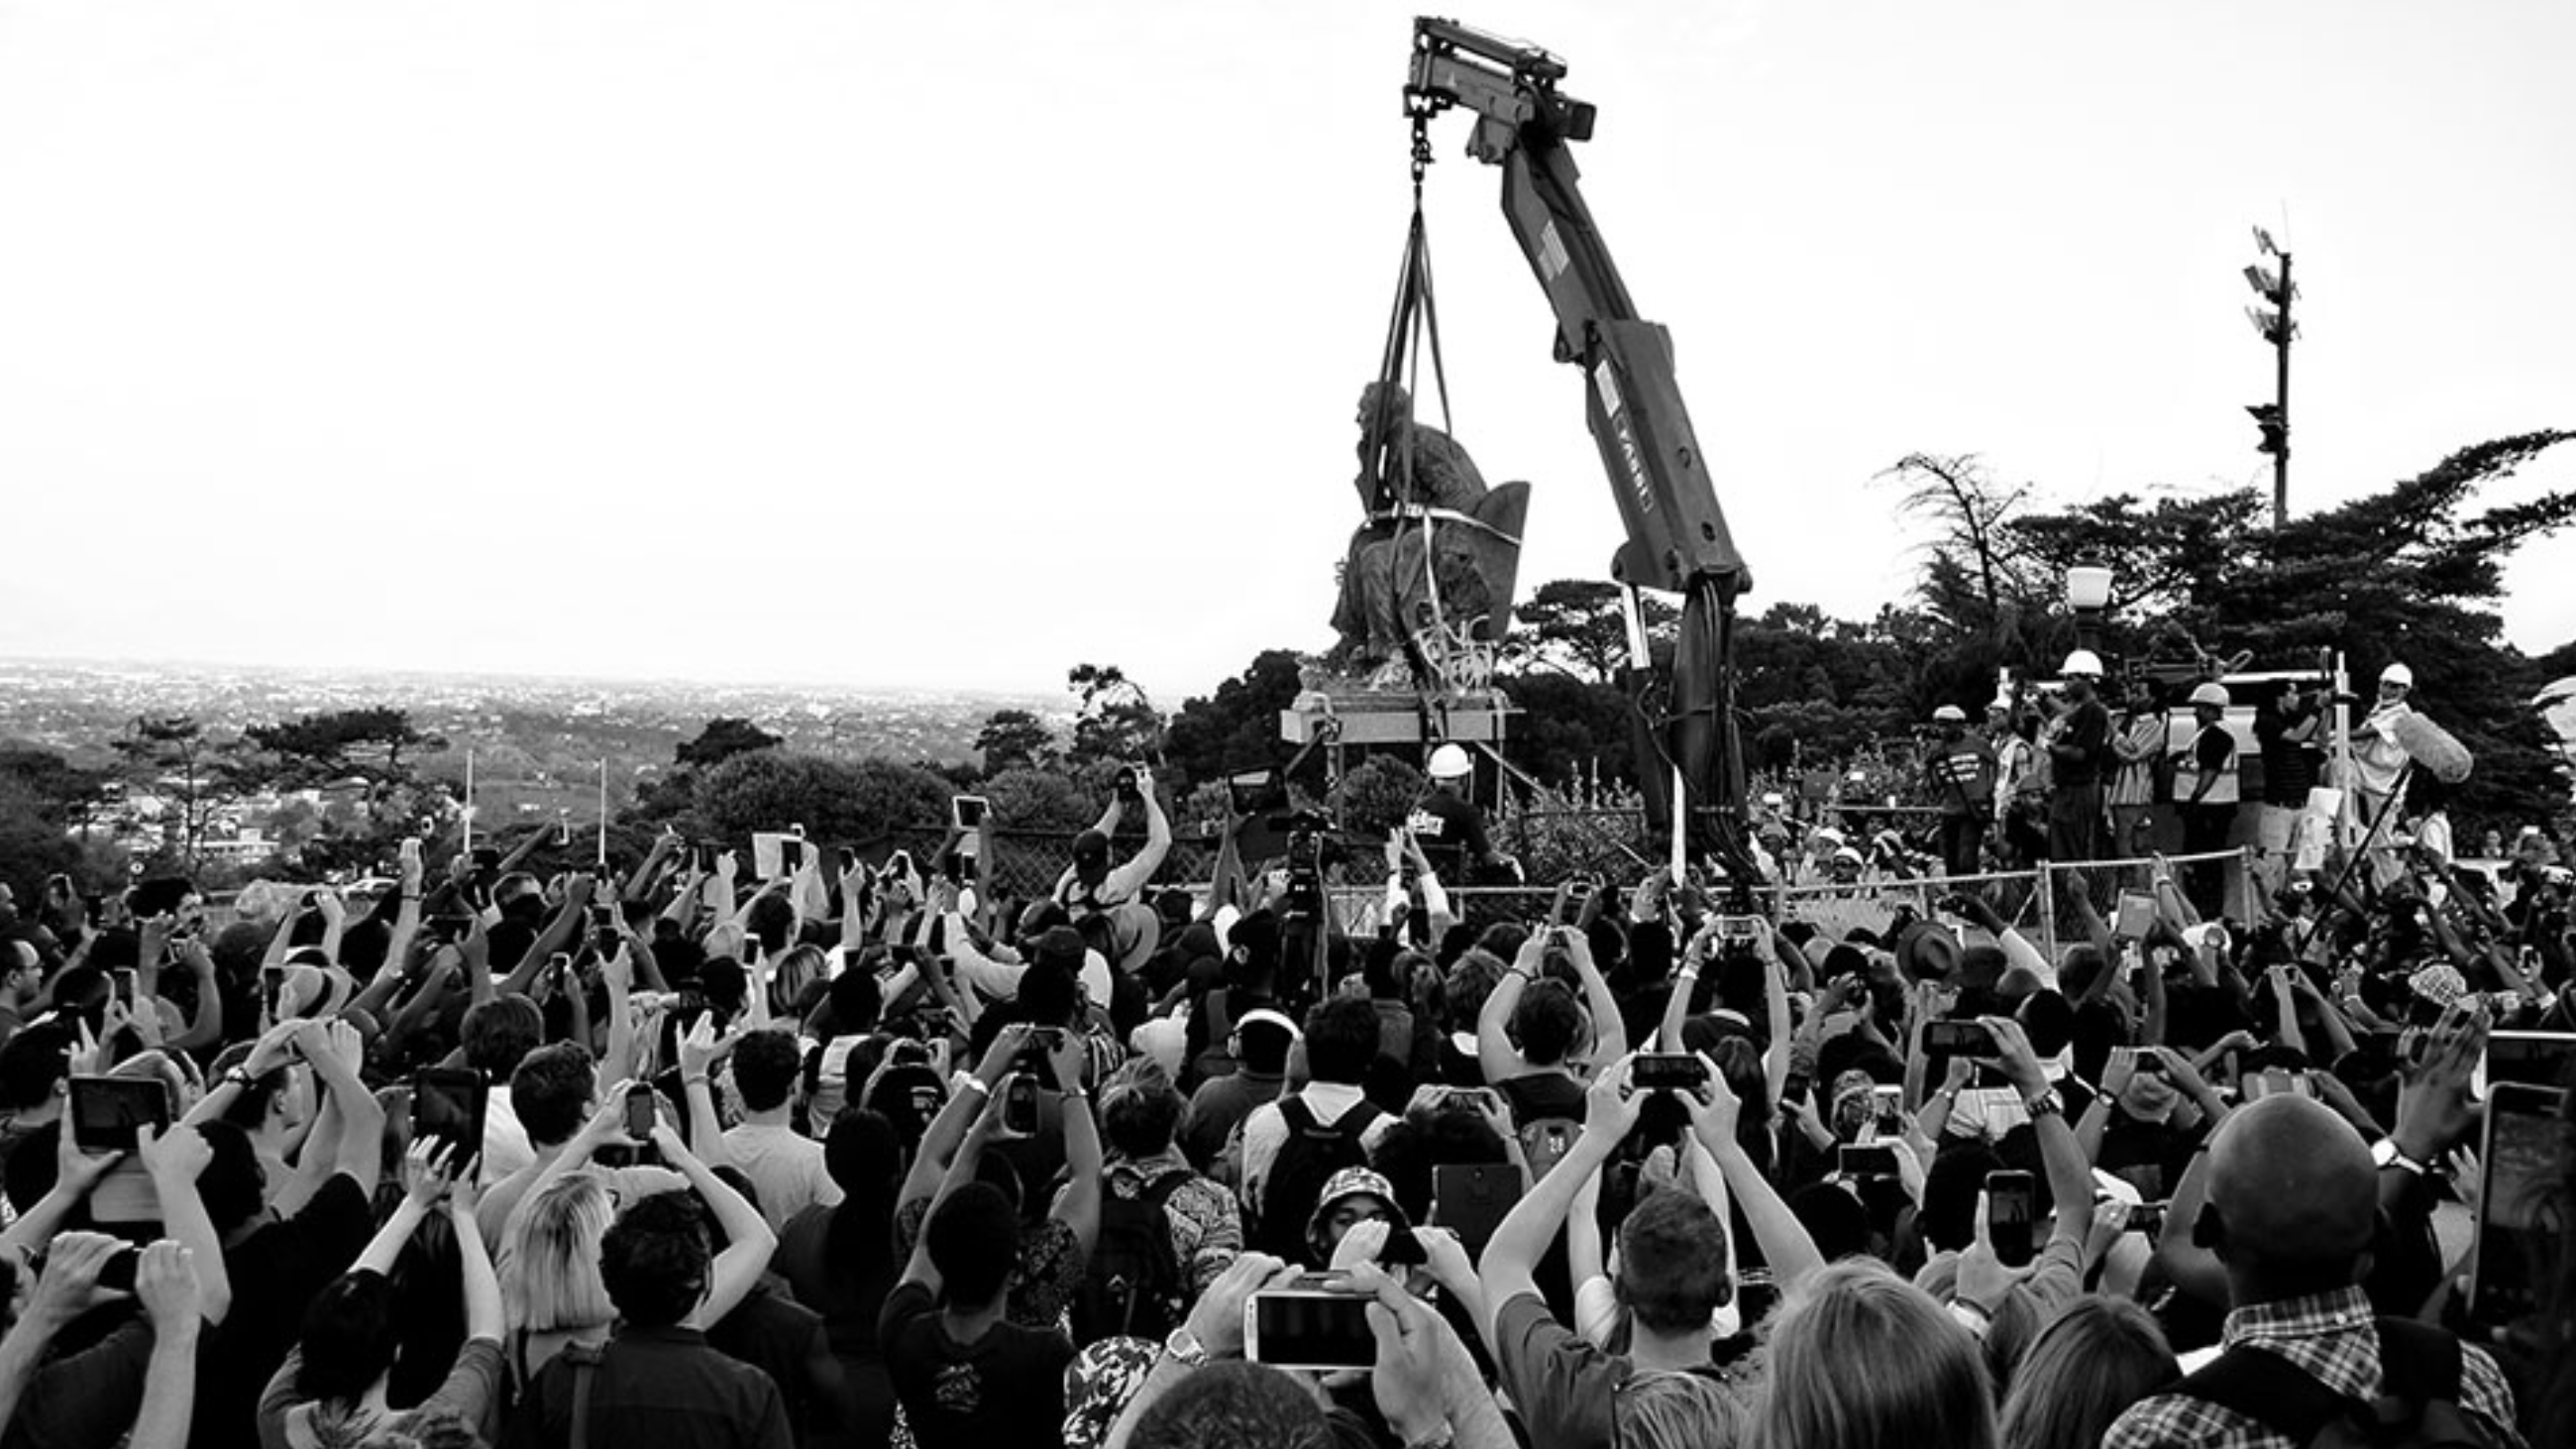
(2046, 1104)
(2384, 1153)
(1183, 1347)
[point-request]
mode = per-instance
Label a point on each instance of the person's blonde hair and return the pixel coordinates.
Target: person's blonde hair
(549, 1265)
(1861, 1359)
(1675, 1411)
(2093, 1360)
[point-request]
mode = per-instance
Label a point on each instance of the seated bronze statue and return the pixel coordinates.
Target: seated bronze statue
(1431, 526)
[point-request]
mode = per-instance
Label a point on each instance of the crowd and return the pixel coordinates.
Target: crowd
(865, 1155)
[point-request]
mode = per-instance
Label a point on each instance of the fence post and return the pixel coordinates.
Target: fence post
(2048, 906)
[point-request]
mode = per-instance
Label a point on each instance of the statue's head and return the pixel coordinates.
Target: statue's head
(1382, 405)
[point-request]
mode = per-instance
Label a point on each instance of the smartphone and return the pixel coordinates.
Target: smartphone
(1402, 1250)
(1471, 1200)
(447, 930)
(2148, 1218)
(2526, 1058)
(849, 860)
(272, 988)
(1312, 1329)
(1667, 1072)
(1738, 930)
(2011, 1202)
(123, 978)
(1874, 1159)
(1576, 896)
(1020, 1104)
(116, 1275)
(2276, 1082)
(640, 1113)
(603, 928)
(2150, 1063)
(1957, 1039)
(967, 812)
(109, 1113)
(1888, 1104)
(447, 1105)
(2518, 1167)
(2137, 914)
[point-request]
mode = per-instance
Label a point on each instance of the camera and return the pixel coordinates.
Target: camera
(1311, 847)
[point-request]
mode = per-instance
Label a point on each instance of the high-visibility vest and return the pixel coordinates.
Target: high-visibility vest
(2222, 790)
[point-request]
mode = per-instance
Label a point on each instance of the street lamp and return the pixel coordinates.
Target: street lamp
(2272, 419)
(2088, 592)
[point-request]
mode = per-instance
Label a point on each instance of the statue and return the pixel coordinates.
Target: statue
(1430, 570)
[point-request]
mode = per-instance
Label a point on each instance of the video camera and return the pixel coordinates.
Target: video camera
(1312, 845)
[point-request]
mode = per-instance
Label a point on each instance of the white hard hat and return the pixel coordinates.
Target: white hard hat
(1449, 762)
(2082, 662)
(1949, 714)
(2398, 674)
(2212, 693)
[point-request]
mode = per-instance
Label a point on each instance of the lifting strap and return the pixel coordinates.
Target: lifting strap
(1415, 317)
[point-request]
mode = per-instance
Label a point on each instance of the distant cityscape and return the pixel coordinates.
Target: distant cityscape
(538, 745)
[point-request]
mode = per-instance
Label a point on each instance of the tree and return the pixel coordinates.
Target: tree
(1237, 727)
(1037, 799)
(1115, 722)
(2409, 573)
(1974, 573)
(50, 787)
(171, 757)
(722, 739)
(1014, 739)
(365, 745)
(839, 801)
(1579, 625)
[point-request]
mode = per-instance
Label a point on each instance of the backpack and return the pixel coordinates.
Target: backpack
(1134, 1286)
(1544, 1140)
(2418, 1406)
(1313, 1152)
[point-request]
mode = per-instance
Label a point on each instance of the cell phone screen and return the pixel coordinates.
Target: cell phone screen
(1309, 1330)
(1667, 1072)
(2011, 1199)
(1020, 1104)
(1871, 1160)
(1957, 1039)
(109, 1113)
(2515, 1235)
(447, 1104)
(640, 1117)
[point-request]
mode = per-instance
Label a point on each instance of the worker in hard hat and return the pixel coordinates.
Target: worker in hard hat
(1961, 775)
(2377, 756)
(1449, 827)
(2205, 789)
(2078, 743)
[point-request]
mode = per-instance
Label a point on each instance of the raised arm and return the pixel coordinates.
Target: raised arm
(1783, 1239)
(1609, 1030)
(1495, 1054)
(748, 1238)
(1080, 1207)
(1511, 1258)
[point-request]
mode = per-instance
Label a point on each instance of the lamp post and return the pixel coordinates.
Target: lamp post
(2273, 418)
(2088, 592)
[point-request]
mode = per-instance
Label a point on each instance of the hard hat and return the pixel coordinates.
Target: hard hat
(1450, 762)
(2081, 663)
(2213, 694)
(2398, 674)
(1949, 714)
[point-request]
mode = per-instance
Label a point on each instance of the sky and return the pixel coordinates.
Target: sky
(949, 345)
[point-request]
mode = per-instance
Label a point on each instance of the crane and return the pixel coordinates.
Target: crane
(1678, 541)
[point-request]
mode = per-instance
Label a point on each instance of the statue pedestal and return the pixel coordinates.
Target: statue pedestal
(1356, 716)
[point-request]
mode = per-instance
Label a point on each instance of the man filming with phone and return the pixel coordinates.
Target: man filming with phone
(1092, 887)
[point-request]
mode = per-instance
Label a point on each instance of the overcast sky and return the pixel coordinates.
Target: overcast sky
(952, 344)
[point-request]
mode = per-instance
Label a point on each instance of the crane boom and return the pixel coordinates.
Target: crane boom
(1677, 538)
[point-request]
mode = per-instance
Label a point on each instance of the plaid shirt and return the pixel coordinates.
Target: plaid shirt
(2332, 1336)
